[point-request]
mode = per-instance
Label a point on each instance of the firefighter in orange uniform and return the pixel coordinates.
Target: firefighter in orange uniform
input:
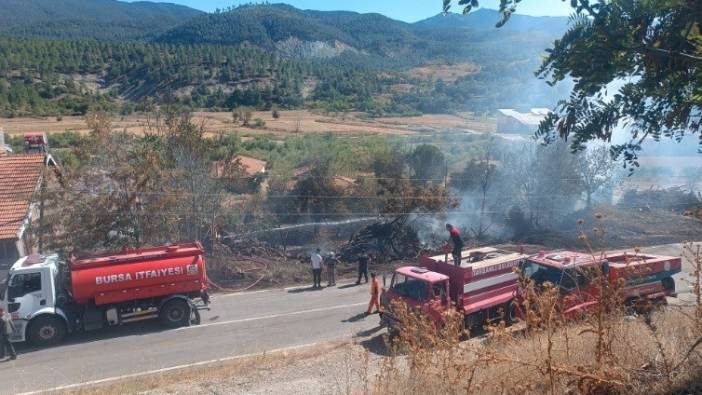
(375, 295)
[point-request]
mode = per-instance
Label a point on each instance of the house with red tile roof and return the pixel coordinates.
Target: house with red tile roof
(250, 167)
(21, 178)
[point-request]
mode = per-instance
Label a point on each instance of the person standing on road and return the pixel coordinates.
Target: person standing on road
(375, 296)
(331, 262)
(6, 329)
(457, 242)
(316, 261)
(362, 268)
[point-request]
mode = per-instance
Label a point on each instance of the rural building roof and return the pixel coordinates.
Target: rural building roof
(19, 177)
(251, 167)
(342, 182)
(531, 118)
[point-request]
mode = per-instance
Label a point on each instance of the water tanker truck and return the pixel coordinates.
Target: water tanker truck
(48, 299)
(642, 280)
(482, 288)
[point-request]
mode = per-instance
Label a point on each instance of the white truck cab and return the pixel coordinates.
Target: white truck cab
(30, 296)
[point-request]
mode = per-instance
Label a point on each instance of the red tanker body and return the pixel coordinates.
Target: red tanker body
(643, 279)
(140, 274)
(482, 288)
(48, 299)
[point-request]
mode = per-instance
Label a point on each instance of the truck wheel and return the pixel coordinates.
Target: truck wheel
(194, 316)
(393, 336)
(668, 284)
(46, 331)
(511, 312)
(175, 313)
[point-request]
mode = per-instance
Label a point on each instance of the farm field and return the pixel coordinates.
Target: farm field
(289, 122)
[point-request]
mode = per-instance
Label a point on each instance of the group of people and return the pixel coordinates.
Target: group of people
(331, 261)
(317, 262)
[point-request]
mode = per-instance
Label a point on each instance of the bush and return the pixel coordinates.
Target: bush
(259, 123)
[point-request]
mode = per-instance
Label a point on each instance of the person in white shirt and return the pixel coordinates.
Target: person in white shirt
(316, 262)
(6, 329)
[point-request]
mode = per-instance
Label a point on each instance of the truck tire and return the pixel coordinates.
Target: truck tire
(668, 284)
(511, 312)
(46, 330)
(175, 313)
(393, 337)
(194, 315)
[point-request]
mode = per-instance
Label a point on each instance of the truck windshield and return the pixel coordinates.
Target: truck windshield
(23, 284)
(541, 274)
(409, 287)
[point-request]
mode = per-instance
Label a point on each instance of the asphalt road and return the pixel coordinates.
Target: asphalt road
(238, 324)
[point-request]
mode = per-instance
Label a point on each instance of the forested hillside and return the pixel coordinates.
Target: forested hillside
(274, 25)
(132, 56)
(99, 19)
(69, 77)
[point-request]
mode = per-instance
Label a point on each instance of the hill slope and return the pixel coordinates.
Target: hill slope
(485, 20)
(99, 19)
(272, 25)
(337, 61)
(332, 32)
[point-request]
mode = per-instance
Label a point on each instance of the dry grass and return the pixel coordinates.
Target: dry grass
(646, 359)
(463, 121)
(603, 352)
(290, 122)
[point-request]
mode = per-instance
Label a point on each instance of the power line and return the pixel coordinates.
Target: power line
(293, 196)
(374, 213)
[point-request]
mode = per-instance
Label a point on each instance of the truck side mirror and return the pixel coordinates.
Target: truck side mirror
(605, 268)
(521, 265)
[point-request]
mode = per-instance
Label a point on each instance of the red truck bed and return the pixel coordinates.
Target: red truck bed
(485, 278)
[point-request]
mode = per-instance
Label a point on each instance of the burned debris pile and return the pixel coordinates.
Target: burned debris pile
(694, 213)
(677, 200)
(388, 240)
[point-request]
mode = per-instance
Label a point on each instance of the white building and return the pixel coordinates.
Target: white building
(513, 121)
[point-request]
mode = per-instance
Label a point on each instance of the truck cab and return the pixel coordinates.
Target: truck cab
(419, 288)
(30, 297)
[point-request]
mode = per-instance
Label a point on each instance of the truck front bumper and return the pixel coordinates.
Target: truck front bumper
(387, 320)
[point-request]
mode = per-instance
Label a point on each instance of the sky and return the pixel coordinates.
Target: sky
(405, 10)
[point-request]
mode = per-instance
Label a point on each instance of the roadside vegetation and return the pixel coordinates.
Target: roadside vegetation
(608, 349)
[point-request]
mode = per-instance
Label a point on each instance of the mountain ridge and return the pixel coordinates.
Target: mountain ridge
(485, 19)
(97, 19)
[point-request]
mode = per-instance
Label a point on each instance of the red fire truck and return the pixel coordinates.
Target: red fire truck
(482, 288)
(48, 299)
(642, 279)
